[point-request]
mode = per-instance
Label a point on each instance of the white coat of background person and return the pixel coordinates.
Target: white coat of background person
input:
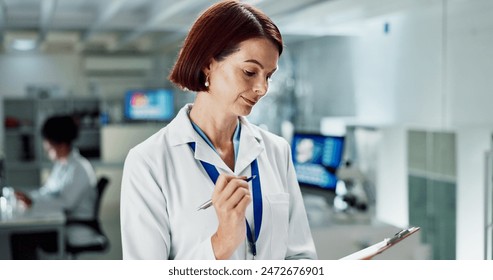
(227, 58)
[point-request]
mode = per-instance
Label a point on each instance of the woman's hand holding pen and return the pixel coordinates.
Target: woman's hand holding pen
(230, 199)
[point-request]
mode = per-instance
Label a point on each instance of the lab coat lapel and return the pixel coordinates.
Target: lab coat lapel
(250, 146)
(205, 153)
(184, 133)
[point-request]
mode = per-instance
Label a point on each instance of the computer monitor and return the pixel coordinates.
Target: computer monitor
(149, 105)
(316, 158)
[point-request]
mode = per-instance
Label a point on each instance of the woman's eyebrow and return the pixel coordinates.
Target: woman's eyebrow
(259, 64)
(256, 62)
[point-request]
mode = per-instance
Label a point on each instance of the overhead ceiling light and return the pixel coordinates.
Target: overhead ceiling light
(24, 44)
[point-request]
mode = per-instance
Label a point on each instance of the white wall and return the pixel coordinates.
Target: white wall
(392, 195)
(472, 143)
(469, 63)
(18, 70)
(397, 74)
(424, 72)
(128, 137)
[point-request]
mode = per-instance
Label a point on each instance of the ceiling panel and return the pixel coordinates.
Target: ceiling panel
(165, 22)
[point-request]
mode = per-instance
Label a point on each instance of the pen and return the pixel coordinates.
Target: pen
(208, 203)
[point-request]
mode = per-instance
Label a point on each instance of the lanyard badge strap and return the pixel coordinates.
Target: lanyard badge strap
(257, 209)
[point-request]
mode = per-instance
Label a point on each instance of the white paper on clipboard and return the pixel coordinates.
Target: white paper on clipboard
(375, 249)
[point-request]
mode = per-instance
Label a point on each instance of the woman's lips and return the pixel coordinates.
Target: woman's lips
(248, 101)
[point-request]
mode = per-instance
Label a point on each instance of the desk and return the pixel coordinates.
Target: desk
(36, 219)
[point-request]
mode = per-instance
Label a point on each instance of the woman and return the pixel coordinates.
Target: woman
(210, 148)
(70, 186)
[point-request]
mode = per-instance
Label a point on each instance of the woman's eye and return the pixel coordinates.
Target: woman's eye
(269, 78)
(249, 73)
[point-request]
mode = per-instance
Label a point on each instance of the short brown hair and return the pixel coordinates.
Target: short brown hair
(60, 130)
(217, 34)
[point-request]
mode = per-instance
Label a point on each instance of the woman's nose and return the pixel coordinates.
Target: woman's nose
(261, 87)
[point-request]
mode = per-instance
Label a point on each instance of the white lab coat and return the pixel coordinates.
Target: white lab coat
(164, 183)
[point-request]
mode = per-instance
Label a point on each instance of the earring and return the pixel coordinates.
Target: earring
(206, 82)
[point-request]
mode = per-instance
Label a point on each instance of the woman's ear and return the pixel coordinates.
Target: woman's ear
(207, 71)
(208, 67)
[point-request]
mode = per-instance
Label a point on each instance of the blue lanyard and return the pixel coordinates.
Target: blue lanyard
(257, 199)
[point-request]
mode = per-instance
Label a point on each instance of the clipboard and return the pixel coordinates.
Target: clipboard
(373, 250)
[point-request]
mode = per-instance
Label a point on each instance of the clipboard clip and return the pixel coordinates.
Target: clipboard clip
(401, 234)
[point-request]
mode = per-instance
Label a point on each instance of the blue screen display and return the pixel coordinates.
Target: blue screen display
(316, 158)
(149, 105)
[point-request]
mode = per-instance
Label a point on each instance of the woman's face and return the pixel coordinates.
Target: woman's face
(239, 81)
(56, 151)
(50, 149)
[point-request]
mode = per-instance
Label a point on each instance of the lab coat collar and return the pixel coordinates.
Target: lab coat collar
(182, 133)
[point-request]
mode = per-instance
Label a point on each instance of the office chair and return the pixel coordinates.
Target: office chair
(101, 242)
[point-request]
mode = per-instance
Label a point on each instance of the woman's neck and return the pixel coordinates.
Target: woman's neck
(64, 153)
(217, 125)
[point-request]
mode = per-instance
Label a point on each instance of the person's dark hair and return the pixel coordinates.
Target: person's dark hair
(60, 130)
(217, 34)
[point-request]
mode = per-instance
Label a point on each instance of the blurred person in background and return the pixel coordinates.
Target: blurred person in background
(70, 186)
